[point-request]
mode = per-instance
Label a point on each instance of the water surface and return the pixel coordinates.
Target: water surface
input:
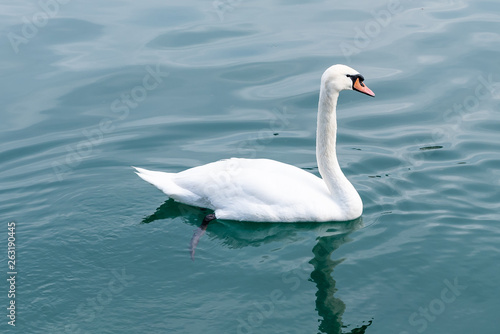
(98, 87)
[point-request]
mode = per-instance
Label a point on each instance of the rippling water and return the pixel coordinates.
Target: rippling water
(91, 88)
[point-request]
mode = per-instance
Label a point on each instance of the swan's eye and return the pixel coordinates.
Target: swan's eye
(356, 77)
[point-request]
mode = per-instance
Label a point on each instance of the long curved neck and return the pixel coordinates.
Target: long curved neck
(326, 154)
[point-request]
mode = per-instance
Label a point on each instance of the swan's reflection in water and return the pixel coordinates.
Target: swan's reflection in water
(331, 309)
(238, 235)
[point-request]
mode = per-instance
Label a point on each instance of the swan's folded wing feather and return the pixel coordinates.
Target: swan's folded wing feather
(258, 190)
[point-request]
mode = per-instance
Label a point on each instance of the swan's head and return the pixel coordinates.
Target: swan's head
(342, 77)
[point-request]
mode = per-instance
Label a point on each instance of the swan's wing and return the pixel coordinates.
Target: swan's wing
(256, 190)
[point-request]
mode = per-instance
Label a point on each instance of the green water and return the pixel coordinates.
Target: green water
(90, 88)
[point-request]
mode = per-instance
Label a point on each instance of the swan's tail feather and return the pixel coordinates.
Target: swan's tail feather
(160, 180)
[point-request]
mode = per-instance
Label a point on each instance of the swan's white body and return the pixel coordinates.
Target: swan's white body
(258, 190)
(262, 190)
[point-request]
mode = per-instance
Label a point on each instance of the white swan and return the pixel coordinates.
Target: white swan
(262, 190)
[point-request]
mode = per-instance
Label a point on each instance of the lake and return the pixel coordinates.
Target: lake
(91, 88)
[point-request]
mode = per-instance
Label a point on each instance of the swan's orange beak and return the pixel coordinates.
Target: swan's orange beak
(361, 87)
